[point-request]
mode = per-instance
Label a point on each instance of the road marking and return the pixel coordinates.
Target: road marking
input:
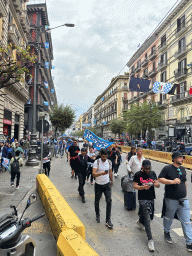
(158, 215)
(6, 194)
(178, 231)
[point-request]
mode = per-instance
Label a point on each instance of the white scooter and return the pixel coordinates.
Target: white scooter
(12, 242)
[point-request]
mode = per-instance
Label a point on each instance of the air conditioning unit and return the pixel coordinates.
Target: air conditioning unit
(187, 118)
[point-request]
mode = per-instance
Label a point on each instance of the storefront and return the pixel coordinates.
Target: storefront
(183, 133)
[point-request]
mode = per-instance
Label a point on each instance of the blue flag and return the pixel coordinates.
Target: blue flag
(139, 85)
(98, 143)
(46, 84)
(46, 103)
(47, 64)
(47, 45)
(52, 90)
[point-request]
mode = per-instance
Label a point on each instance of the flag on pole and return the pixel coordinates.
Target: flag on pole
(98, 143)
(46, 103)
(46, 84)
(172, 91)
(47, 45)
(52, 90)
(138, 45)
(139, 85)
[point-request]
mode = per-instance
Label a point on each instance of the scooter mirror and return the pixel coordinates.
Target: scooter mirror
(32, 199)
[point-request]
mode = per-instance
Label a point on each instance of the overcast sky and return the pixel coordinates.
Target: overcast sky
(105, 36)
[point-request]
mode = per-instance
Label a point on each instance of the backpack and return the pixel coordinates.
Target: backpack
(15, 165)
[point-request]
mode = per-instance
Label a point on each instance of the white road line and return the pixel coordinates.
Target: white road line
(158, 215)
(178, 231)
(6, 194)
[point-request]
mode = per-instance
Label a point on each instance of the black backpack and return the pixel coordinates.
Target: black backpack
(15, 165)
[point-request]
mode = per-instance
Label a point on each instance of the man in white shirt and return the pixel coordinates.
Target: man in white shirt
(102, 171)
(135, 163)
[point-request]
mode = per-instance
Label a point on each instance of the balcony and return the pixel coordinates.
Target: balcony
(24, 22)
(153, 55)
(153, 72)
(132, 73)
(124, 99)
(180, 30)
(163, 46)
(18, 5)
(180, 74)
(3, 11)
(163, 103)
(182, 51)
(162, 65)
(138, 68)
(182, 97)
(144, 63)
(124, 87)
(12, 36)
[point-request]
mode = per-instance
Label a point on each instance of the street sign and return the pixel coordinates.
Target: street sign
(45, 126)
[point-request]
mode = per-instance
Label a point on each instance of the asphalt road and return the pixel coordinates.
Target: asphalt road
(125, 239)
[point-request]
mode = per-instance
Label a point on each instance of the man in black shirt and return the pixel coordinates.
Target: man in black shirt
(175, 201)
(73, 155)
(131, 153)
(144, 181)
(111, 155)
(82, 166)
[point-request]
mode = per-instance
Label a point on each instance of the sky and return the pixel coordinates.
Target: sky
(105, 36)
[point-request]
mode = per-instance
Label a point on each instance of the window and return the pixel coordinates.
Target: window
(163, 40)
(164, 58)
(132, 68)
(163, 76)
(154, 65)
(180, 23)
(145, 73)
(139, 63)
(182, 65)
(145, 55)
(10, 18)
(181, 45)
(125, 95)
(125, 84)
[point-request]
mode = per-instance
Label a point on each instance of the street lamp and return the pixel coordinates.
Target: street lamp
(32, 160)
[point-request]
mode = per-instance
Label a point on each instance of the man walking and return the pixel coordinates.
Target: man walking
(144, 181)
(15, 164)
(175, 199)
(102, 171)
(73, 155)
(135, 163)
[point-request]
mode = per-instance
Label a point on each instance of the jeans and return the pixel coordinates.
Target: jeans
(47, 168)
(82, 178)
(183, 213)
(25, 152)
(106, 189)
(116, 168)
(13, 174)
(146, 212)
(90, 169)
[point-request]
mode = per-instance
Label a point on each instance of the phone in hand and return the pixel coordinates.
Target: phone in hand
(106, 171)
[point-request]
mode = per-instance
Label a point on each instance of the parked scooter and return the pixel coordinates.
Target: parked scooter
(12, 242)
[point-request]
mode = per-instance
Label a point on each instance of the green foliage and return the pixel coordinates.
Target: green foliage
(118, 126)
(142, 117)
(78, 133)
(12, 70)
(62, 117)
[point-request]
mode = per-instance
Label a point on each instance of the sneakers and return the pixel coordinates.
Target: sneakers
(83, 199)
(98, 218)
(91, 183)
(12, 184)
(109, 224)
(168, 237)
(115, 175)
(72, 176)
(17, 187)
(140, 225)
(151, 245)
(189, 247)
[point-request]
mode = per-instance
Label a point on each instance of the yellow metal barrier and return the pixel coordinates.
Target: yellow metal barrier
(71, 243)
(161, 156)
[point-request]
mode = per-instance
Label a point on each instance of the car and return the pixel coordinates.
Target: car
(188, 149)
(119, 142)
(160, 145)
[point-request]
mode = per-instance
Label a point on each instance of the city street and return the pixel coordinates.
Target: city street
(125, 239)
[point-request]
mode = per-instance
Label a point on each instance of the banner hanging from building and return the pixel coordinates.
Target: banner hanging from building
(46, 84)
(139, 85)
(46, 103)
(52, 90)
(98, 143)
(47, 64)
(47, 45)
(160, 87)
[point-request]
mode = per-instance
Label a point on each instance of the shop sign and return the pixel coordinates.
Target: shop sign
(6, 121)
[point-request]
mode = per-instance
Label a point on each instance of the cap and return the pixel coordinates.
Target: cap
(177, 154)
(146, 163)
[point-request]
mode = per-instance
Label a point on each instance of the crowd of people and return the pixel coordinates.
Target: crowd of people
(103, 166)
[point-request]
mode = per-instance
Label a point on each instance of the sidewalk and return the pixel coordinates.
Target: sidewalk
(10, 195)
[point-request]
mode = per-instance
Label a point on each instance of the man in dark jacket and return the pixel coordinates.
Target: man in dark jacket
(82, 166)
(131, 153)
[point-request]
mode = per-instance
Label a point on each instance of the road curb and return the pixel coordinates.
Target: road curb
(62, 219)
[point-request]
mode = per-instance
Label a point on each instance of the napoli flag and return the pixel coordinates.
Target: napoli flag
(47, 45)
(139, 85)
(46, 103)
(47, 64)
(98, 143)
(46, 84)
(160, 87)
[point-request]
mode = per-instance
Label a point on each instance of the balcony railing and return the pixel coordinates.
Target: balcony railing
(162, 65)
(181, 29)
(182, 51)
(153, 55)
(124, 98)
(12, 34)
(24, 21)
(179, 74)
(138, 68)
(163, 46)
(18, 5)
(144, 63)
(3, 11)
(153, 72)
(132, 73)
(181, 97)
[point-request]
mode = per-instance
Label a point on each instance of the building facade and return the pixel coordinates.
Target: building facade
(109, 105)
(172, 49)
(40, 42)
(14, 26)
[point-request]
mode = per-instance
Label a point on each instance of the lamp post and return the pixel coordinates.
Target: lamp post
(32, 160)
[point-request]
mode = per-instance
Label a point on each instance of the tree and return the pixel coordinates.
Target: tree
(117, 126)
(62, 117)
(14, 62)
(143, 117)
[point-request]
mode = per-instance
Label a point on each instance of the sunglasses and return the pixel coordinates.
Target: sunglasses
(147, 168)
(180, 173)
